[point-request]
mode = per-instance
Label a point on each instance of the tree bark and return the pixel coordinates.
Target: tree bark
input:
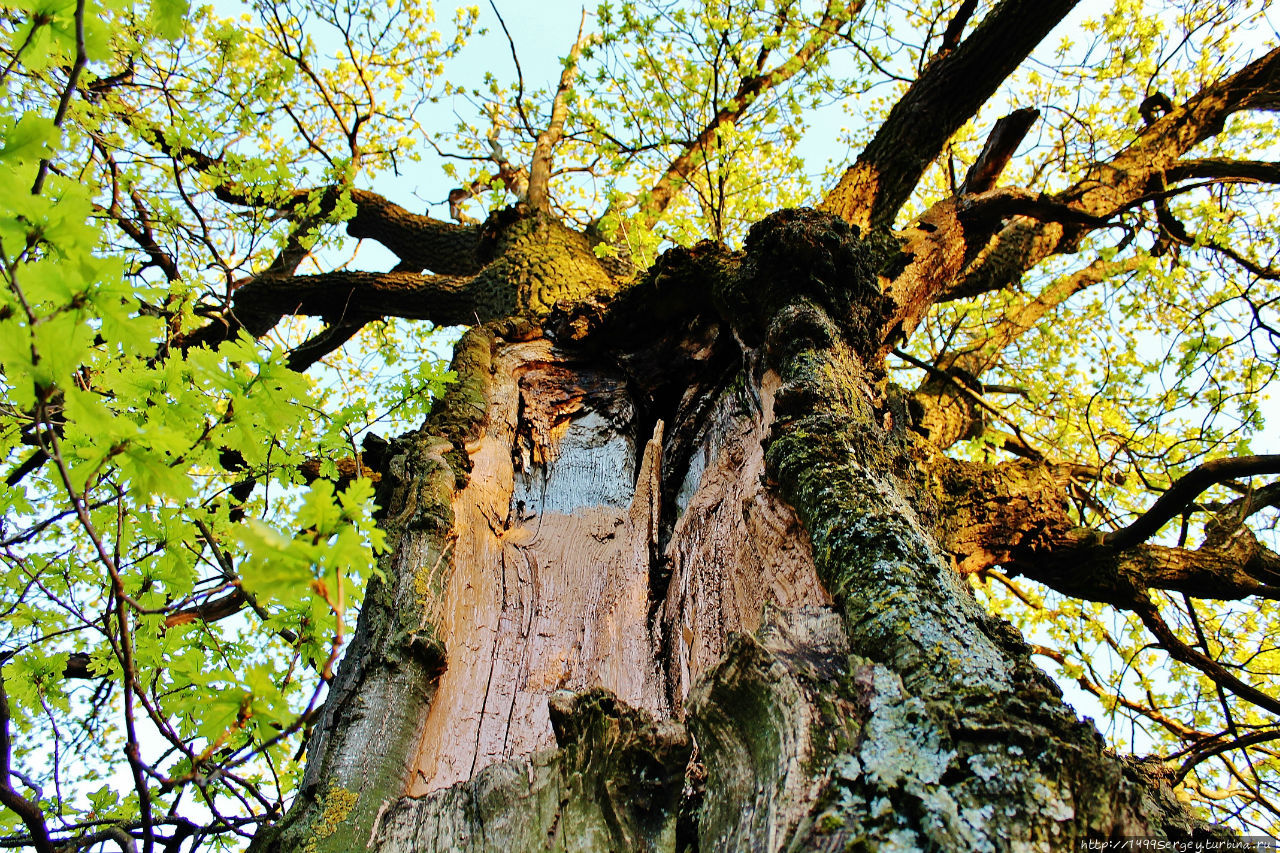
(672, 571)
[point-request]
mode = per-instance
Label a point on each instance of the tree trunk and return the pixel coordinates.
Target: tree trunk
(673, 571)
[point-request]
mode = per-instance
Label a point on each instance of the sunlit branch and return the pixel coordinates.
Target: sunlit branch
(1223, 168)
(1206, 752)
(1114, 185)
(1184, 490)
(544, 148)
(515, 58)
(948, 93)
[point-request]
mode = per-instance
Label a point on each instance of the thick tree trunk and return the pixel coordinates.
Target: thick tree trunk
(674, 576)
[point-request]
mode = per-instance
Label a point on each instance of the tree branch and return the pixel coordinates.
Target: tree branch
(322, 343)
(421, 242)
(1111, 186)
(1183, 491)
(953, 86)
(544, 148)
(1014, 514)
(349, 297)
(1002, 142)
(30, 813)
(1223, 168)
(955, 28)
(1180, 651)
(985, 210)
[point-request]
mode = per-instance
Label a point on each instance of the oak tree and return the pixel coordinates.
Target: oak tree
(753, 507)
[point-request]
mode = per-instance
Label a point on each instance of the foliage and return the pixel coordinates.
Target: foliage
(169, 633)
(1141, 375)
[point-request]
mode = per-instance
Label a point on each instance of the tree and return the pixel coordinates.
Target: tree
(670, 560)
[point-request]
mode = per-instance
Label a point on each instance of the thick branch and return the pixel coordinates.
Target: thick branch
(953, 86)
(946, 237)
(1223, 168)
(1110, 187)
(213, 610)
(345, 297)
(421, 242)
(983, 211)
(1121, 578)
(1014, 515)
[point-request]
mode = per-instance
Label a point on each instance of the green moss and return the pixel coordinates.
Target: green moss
(829, 822)
(458, 415)
(336, 805)
(534, 262)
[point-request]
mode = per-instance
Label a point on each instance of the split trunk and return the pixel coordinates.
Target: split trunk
(675, 569)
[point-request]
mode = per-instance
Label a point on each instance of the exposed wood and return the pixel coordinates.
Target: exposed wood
(587, 795)
(736, 551)
(550, 585)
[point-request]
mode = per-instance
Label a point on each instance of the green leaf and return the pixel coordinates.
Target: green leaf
(168, 18)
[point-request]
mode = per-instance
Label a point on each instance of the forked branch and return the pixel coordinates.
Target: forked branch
(544, 148)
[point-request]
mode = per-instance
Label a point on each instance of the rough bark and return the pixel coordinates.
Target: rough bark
(677, 577)
(950, 89)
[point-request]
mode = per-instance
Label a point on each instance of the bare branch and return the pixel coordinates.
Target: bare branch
(349, 297)
(1184, 490)
(544, 148)
(1004, 139)
(955, 28)
(524, 119)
